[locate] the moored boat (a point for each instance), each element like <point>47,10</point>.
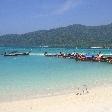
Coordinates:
<point>83,57</point>
<point>110,61</point>
<point>16,53</point>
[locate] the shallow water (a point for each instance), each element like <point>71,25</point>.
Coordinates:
<point>25,77</point>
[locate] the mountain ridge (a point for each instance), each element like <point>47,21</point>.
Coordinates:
<point>75,35</point>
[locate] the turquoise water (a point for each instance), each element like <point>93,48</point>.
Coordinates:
<point>36,75</point>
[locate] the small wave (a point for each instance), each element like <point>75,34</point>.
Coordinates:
<point>37,54</point>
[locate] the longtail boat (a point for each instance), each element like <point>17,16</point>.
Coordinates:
<point>83,57</point>
<point>16,53</point>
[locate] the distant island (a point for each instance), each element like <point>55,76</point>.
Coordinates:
<point>71,36</point>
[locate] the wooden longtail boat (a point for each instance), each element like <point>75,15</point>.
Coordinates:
<point>83,57</point>
<point>15,53</point>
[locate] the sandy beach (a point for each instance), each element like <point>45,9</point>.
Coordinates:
<point>99,99</point>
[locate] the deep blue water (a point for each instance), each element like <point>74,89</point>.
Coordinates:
<point>36,75</point>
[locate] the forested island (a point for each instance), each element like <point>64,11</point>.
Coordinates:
<point>71,36</point>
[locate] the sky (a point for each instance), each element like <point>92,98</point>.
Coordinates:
<point>21,16</point>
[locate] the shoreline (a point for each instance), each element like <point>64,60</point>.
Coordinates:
<point>99,99</point>
<point>51,92</point>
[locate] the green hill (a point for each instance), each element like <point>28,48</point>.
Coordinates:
<point>71,36</point>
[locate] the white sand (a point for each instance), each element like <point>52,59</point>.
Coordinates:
<point>99,99</point>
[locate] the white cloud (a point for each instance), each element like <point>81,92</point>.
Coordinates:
<point>66,6</point>
<point>61,9</point>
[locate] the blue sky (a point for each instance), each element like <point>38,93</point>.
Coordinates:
<point>20,16</point>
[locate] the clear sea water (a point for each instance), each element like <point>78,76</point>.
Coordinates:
<point>35,75</point>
